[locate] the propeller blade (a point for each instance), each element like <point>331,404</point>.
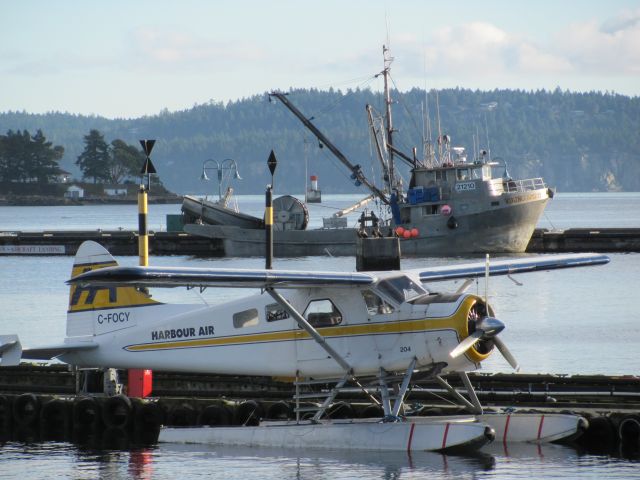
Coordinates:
<point>506,354</point>
<point>466,344</point>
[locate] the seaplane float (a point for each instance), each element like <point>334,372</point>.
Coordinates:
<point>370,330</point>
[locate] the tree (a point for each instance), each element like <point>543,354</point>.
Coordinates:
<point>43,159</point>
<point>25,158</point>
<point>126,161</point>
<point>94,160</point>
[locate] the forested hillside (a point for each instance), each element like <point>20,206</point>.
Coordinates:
<point>576,141</point>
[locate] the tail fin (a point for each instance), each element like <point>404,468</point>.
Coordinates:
<point>92,256</point>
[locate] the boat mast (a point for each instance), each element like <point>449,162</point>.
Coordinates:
<point>356,170</point>
<point>388,121</point>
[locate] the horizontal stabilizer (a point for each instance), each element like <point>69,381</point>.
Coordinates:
<point>10,350</point>
<point>218,277</point>
<point>511,266</point>
<point>49,352</point>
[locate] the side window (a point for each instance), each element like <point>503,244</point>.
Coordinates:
<point>322,313</point>
<point>274,312</point>
<point>376,305</point>
<point>247,318</point>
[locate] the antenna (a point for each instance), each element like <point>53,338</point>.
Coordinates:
<point>439,129</point>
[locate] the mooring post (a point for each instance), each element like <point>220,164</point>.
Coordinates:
<point>140,380</point>
<point>268,225</point>
<point>272,163</point>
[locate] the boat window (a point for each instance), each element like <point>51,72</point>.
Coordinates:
<point>441,175</point>
<point>401,289</point>
<point>463,174</point>
<point>486,172</point>
<point>274,312</point>
<point>429,210</point>
<point>246,318</point>
<point>322,313</point>
<point>476,173</point>
<point>375,304</point>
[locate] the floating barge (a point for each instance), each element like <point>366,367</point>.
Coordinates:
<point>44,403</point>
<point>125,242</point>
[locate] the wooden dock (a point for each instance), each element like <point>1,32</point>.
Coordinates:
<point>125,242</point>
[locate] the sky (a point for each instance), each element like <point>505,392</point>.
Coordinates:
<point>126,59</point>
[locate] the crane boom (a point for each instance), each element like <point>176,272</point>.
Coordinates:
<point>356,171</point>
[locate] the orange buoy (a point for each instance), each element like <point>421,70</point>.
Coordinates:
<point>414,232</point>
<point>399,231</point>
<point>407,234</point>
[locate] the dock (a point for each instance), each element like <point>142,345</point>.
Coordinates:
<point>125,242</point>
<point>45,402</point>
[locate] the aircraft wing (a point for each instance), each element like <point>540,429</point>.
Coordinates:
<point>218,277</point>
<point>511,266</point>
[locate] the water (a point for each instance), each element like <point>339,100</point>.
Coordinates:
<point>579,321</point>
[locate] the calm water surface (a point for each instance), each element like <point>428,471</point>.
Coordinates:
<point>580,321</point>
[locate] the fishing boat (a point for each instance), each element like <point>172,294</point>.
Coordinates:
<point>452,205</point>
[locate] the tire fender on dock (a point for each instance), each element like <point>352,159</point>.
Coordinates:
<point>26,409</point>
<point>117,411</point>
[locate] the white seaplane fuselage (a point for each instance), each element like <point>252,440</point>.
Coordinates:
<point>256,336</point>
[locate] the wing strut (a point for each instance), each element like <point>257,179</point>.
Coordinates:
<point>475,406</point>
<point>302,322</point>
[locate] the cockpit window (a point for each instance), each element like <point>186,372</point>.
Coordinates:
<point>322,313</point>
<point>401,289</point>
<point>375,304</point>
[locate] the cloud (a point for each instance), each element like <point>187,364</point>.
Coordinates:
<point>479,49</point>
<point>165,50</point>
<point>610,48</point>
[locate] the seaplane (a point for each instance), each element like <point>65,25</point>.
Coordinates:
<point>369,330</point>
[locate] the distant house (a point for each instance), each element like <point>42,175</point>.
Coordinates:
<point>115,190</point>
<point>74,191</point>
<point>62,176</point>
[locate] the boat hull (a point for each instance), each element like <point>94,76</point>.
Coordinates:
<point>215,214</point>
<point>502,230</point>
<point>432,435</point>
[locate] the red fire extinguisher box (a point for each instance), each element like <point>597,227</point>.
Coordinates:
<point>140,382</point>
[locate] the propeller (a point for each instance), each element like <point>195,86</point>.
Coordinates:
<point>486,329</point>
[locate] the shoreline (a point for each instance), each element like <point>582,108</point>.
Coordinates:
<point>49,201</point>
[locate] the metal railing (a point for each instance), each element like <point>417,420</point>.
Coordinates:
<point>515,186</point>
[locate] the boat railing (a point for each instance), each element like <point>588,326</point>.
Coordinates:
<point>516,186</point>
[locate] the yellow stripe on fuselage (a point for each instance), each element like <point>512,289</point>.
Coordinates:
<point>457,322</point>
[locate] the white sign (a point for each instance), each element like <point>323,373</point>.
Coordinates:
<point>465,186</point>
<point>32,249</point>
